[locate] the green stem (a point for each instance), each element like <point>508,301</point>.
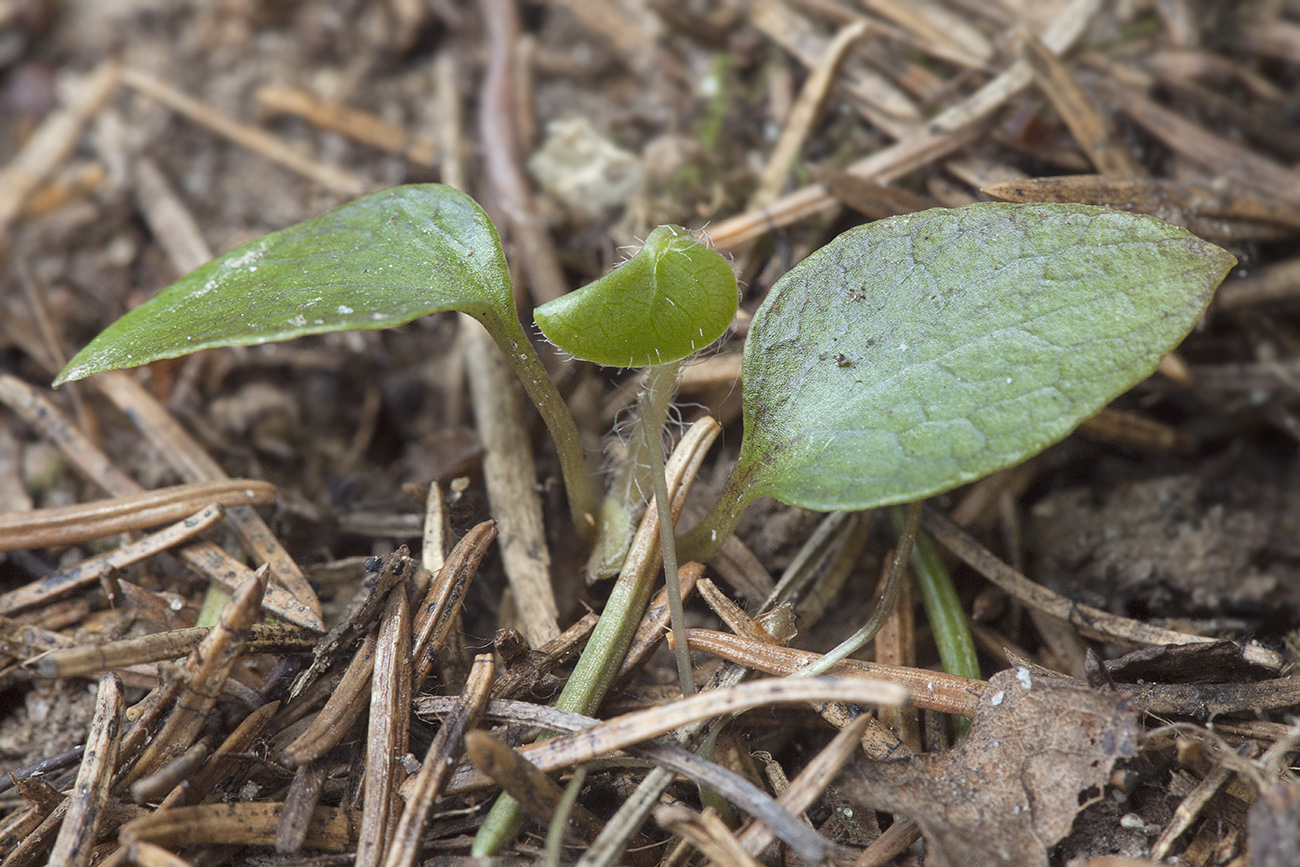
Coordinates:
<point>701,543</point>
<point>884,606</point>
<point>944,611</point>
<point>555,834</point>
<point>653,403</point>
<point>518,349</point>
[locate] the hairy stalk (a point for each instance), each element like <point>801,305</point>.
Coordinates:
<point>623,506</point>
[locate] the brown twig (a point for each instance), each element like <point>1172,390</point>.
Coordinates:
<point>927,689</point>
<point>498,138</point>
<point>386,736</point>
<point>521,780</point>
<point>354,123</point>
<point>250,823</point>
<point>537,664</point>
<point>1089,127</point>
<point>804,114</point>
<point>204,673</point>
<point>436,614</point>
<point>1221,156</point>
<point>366,606</point>
<point>197,787</point>
<point>939,137</point>
<point>35,408</point>
<point>92,569</point>
<point>1092,622</point>
<point>68,525</point>
<point>189,459</point>
<point>510,475</point>
<point>404,848</point>
<point>258,141</point>
<point>706,832</point>
<point>561,752</point>
<point>654,623</point>
<point>75,843</point>
<point>79,661</point>
<point>809,785</point>
<point>51,144</point>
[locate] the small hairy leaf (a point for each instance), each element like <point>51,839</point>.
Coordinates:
<point>673,297</point>
<point>917,353</point>
<point>376,262</point>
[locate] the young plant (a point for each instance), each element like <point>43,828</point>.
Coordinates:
<point>903,359</point>
<point>906,357</point>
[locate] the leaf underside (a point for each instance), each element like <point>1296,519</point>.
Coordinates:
<point>376,262</point>
<point>921,352</point>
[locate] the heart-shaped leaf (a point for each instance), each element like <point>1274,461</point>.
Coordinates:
<point>377,262</point>
<point>917,353</point>
<point>675,296</point>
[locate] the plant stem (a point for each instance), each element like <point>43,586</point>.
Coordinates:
<point>518,349</point>
<point>884,606</point>
<point>555,834</point>
<point>944,611</point>
<point>653,403</point>
<point>702,542</point>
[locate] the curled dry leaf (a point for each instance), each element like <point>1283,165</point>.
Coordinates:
<point>1038,753</point>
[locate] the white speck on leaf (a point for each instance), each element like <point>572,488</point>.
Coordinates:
<point>248,258</point>
<point>1022,675</point>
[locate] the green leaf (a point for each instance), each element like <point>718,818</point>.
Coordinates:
<point>675,296</point>
<point>377,262</point>
<point>917,353</point>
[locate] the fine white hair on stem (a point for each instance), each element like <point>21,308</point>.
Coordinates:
<point>625,429</point>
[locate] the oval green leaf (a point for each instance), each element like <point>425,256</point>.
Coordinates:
<point>921,352</point>
<point>377,262</point>
<point>674,297</point>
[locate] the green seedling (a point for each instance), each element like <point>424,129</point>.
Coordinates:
<point>903,359</point>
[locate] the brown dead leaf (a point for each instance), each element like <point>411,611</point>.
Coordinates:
<point>1039,751</point>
